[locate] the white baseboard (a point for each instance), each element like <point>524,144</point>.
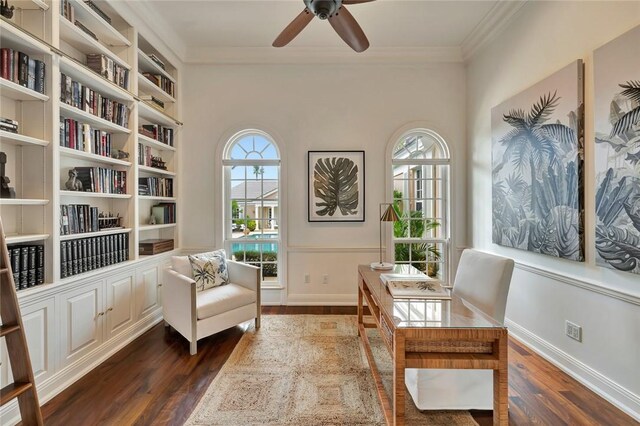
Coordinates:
<point>60,380</point>
<point>322,300</point>
<point>617,395</point>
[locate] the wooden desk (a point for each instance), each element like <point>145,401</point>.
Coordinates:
<point>423,333</point>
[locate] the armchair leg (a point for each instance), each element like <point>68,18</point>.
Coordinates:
<point>193,347</point>
<point>258,322</point>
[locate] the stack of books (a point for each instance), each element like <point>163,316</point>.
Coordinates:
<point>78,219</point>
<point>415,286</point>
<point>107,68</point>
<point>102,180</point>
<point>159,133</point>
<point>27,265</point>
<point>162,82</point>
<point>81,136</point>
<point>88,254</point>
<point>155,186</point>
<point>8,125</point>
<point>19,68</point>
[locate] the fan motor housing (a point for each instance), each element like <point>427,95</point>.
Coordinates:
<point>323,9</point>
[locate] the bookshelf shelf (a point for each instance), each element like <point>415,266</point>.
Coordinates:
<point>147,86</point>
<point>152,198</point>
<point>64,193</point>
<point>150,113</point>
<point>20,140</point>
<point>25,238</point>
<point>19,93</point>
<point>101,28</point>
<point>86,76</point>
<point>144,228</point>
<point>95,234</point>
<point>22,202</point>
<point>84,43</point>
<point>155,171</point>
<point>30,5</point>
<point>146,140</point>
<point>74,153</point>
<point>146,64</point>
<point>16,38</point>
<point>69,111</point>
<point>166,253</point>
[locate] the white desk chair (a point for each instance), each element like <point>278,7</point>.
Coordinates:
<point>483,280</point>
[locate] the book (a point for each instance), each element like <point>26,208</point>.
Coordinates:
<point>410,286</point>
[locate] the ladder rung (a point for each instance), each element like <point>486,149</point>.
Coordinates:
<point>13,390</point>
<point>3,270</point>
<point>8,328</point>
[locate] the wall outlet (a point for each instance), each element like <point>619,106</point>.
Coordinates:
<point>325,279</point>
<point>573,330</point>
<point>307,278</point>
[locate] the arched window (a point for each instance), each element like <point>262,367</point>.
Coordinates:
<point>252,202</point>
<point>420,173</point>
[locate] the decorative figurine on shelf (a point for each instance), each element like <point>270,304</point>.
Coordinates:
<point>73,184</point>
<point>158,163</point>
<point>5,190</point>
<point>5,9</point>
<point>120,155</point>
<point>152,220</point>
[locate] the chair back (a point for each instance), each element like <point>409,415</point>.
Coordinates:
<point>483,279</point>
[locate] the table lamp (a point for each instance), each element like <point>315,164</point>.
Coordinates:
<point>389,215</point>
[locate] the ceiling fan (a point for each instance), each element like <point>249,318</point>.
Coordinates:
<point>338,16</point>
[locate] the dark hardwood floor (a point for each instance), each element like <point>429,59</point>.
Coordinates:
<point>155,381</point>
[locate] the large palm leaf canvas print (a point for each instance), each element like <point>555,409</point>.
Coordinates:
<point>336,186</point>
<point>617,152</point>
<point>537,167</point>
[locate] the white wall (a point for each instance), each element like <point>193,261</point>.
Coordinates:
<point>543,38</point>
<point>315,107</point>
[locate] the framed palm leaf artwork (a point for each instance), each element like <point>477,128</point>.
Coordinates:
<point>336,186</point>
<point>617,152</point>
<point>537,167</point>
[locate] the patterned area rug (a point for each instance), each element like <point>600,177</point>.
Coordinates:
<point>305,370</point>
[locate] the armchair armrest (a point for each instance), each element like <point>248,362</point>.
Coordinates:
<point>179,303</point>
<point>247,276</point>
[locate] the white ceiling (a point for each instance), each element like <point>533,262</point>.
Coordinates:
<point>387,23</point>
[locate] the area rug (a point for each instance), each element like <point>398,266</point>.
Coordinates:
<point>305,370</point>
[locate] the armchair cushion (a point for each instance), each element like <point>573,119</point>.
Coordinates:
<point>218,300</point>
<point>209,269</point>
<point>182,265</point>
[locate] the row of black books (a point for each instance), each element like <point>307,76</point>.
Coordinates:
<point>102,180</point>
<point>27,265</point>
<point>19,68</point>
<point>155,186</point>
<point>164,213</point>
<point>78,219</point>
<point>157,132</point>
<point>8,125</point>
<point>108,69</point>
<point>162,82</point>
<point>81,136</point>
<point>75,94</point>
<point>88,254</point>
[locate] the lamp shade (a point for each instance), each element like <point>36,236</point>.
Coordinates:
<point>389,215</point>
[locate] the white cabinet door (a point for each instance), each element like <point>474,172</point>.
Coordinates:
<point>38,320</point>
<point>146,290</point>
<point>162,267</point>
<point>81,316</point>
<point>119,311</point>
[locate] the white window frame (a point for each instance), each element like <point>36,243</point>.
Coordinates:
<point>392,163</point>
<point>228,162</point>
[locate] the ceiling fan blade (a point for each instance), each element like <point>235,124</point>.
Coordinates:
<point>356,1</point>
<point>348,29</point>
<point>294,28</point>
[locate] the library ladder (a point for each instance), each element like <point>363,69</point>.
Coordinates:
<point>24,387</point>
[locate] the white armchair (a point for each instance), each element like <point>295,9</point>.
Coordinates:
<point>198,314</point>
<point>483,280</point>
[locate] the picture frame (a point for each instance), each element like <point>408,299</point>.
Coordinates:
<point>336,186</point>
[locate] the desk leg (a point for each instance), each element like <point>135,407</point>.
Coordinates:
<point>501,385</point>
<point>399,388</point>
<point>360,321</point>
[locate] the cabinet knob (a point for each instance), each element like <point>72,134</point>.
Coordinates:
<point>110,309</point>
<point>99,314</point>
<point>159,285</point>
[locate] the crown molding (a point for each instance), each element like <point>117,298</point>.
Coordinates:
<point>321,55</point>
<point>493,23</point>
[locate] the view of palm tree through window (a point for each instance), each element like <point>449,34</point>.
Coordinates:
<point>252,171</point>
<point>420,167</point>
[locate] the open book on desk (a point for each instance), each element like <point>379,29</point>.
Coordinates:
<point>414,286</point>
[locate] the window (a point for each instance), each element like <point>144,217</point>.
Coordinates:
<point>251,196</point>
<point>420,170</point>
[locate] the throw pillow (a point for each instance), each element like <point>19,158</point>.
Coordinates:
<point>209,269</point>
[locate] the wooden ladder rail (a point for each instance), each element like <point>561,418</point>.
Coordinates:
<point>12,330</point>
